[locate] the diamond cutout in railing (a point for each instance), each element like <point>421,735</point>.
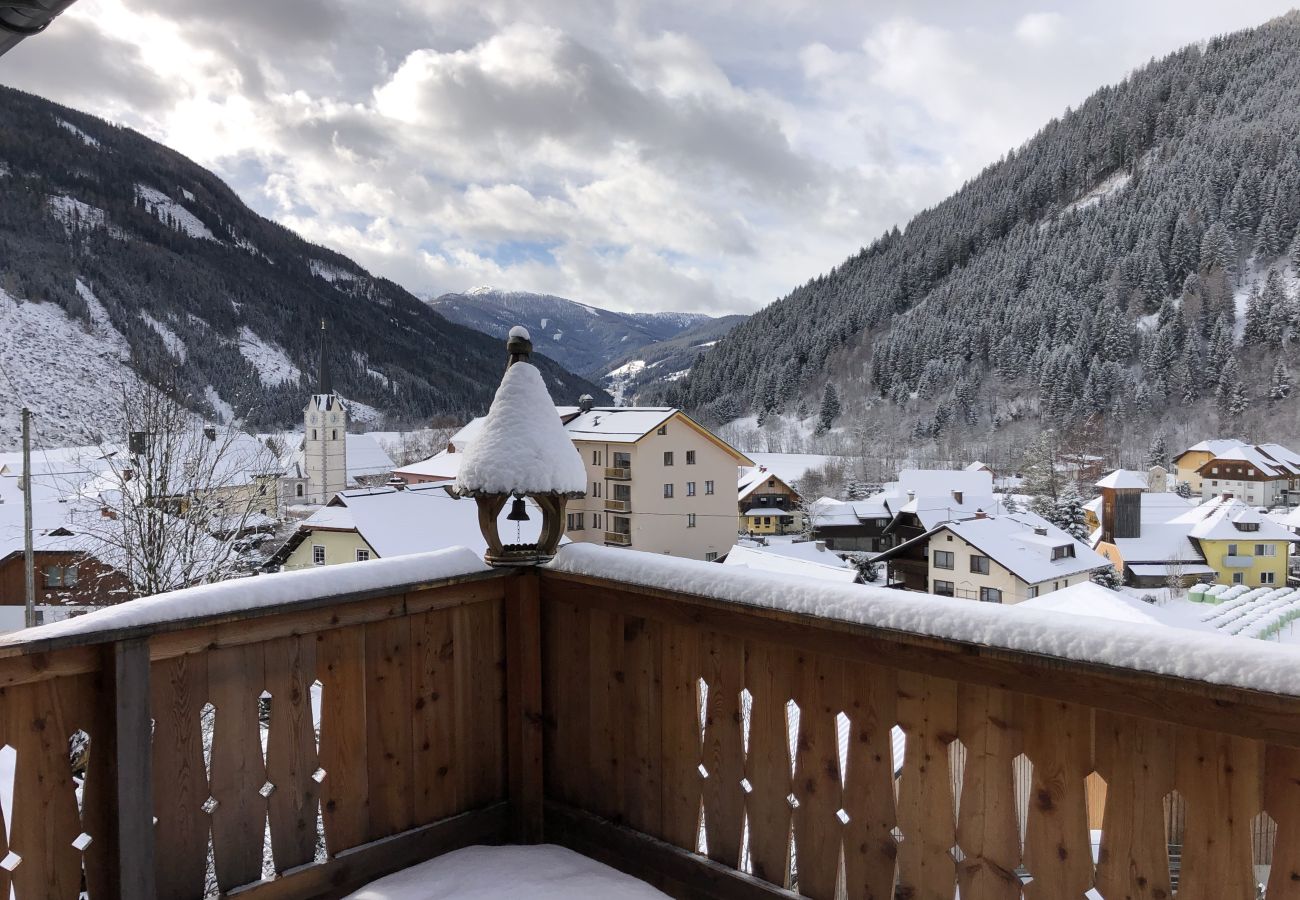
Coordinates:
<point>266,790</point>
<point>897,834</point>
<point>746,786</point>
<point>210,805</point>
<point>704,773</point>
<point>10,862</point>
<point>955,852</point>
<point>318,776</point>
<point>82,841</point>
<point>842,816</point>
<point>792,800</point>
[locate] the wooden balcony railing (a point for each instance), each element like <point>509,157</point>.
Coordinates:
<point>618,505</point>
<point>714,748</point>
<point>618,538</point>
<point>618,473</point>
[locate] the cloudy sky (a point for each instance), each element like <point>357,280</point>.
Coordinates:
<point>703,155</point>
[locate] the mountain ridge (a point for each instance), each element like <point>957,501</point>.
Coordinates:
<point>208,296</point>
<point>1128,272</point>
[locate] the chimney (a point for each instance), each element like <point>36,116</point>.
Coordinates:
<point>586,402</point>
<point>210,432</point>
<point>397,483</point>
<point>107,513</point>
<point>981,514</point>
<point>957,495</point>
<point>911,495</point>
<point>1040,531</point>
<point>820,545</point>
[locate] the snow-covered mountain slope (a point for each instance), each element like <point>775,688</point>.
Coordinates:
<point>110,234</point>
<point>1096,279</point>
<point>580,337</point>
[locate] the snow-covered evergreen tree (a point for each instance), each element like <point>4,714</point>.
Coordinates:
<point>1279,383</point>
<point>1158,452</point>
<point>830,409</point>
<point>1108,577</point>
<point>1069,514</point>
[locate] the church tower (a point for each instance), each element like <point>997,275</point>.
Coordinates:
<point>325,436</point>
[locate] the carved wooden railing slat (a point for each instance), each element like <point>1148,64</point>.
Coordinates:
<point>769,674</point>
<point>870,849</point>
<point>180,689</point>
<point>1058,851</point>
<point>927,713</point>
<point>723,661</point>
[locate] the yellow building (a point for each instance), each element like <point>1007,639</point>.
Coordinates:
<point>1242,546</point>
<point>768,505</point>
<point>1187,464</point>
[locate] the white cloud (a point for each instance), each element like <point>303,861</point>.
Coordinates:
<point>1040,29</point>
<point>707,155</point>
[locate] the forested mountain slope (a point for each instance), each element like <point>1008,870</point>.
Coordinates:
<point>109,236</point>
<point>1130,269</point>
<point>582,338</point>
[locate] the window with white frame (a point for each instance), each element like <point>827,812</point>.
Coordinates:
<point>668,491</point>
<point>690,520</point>
<point>990,595</point>
<point>318,554</point>
<point>710,557</point>
<point>363,555</point>
<point>1266,549</point>
<point>708,487</point>
<point>690,457</point>
<point>690,489</point>
<point>668,457</point>
<point>1267,578</point>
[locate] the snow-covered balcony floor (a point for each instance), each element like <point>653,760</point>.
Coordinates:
<point>542,872</point>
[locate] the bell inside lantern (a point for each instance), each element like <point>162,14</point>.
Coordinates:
<point>518,512</point>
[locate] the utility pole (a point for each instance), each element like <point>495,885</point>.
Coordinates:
<point>29,555</point>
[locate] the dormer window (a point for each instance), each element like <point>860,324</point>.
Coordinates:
<point>1065,551</point>
<point>1247,526</point>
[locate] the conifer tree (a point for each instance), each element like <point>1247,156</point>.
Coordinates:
<point>830,409</point>
<point>1279,383</point>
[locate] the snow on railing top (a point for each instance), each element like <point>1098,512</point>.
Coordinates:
<point>1194,655</point>
<point>246,594</point>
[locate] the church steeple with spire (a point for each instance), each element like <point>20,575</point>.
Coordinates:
<point>325,431</point>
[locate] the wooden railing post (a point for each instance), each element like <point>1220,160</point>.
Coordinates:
<point>133,763</point>
<point>524,706</point>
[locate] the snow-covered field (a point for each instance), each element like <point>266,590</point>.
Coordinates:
<point>72,376</point>
<point>271,362</point>
<point>169,212</point>
<point>171,340</point>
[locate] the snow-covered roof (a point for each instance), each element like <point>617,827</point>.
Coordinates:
<point>1155,508</point>
<point>522,446</point>
<point>1012,542</point>
<point>1214,446</point>
<point>977,466</point>
<point>366,457</point>
<point>1267,464</point>
<point>768,511</point>
<point>790,467</point>
<point>934,482</point>
<point>1159,542</point>
<point>442,465</point>
<point>1212,658</point>
<point>618,424</point>
<point>1095,601</point>
<point>1218,519</point>
<point>1164,570</point>
<point>751,478</point>
<point>761,559</point>
<point>1124,479</point>
<point>419,519</point>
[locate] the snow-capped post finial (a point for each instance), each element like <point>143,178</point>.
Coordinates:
<point>522,450</point>
<point>519,345</point>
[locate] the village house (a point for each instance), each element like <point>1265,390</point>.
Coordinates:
<point>1187,465</point>
<point>70,575</point>
<point>657,479</point>
<point>382,522</point>
<point>1153,537</point>
<point>1262,475</point>
<point>995,559</point>
<point>768,504</point>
